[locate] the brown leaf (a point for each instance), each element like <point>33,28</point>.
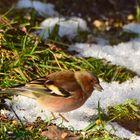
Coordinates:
<point>55,133</point>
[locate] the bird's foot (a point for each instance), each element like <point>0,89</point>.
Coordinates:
<point>63,118</point>
<point>55,118</point>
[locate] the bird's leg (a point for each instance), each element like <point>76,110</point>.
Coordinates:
<point>63,118</point>
<point>53,116</point>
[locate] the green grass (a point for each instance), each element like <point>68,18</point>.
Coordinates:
<point>125,113</point>
<point>129,110</point>
<point>97,129</point>
<point>12,129</point>
<point>25,57</point>
<point>137,13</point>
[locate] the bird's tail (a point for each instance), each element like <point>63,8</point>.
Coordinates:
<point>17,91</point>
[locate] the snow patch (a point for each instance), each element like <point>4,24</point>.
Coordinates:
<point>68,27</point>
<point>124,54</point>
<point>43,9</point>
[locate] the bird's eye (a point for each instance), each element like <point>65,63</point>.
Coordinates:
<point>91,80</point>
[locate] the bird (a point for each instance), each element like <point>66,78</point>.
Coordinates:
<point>61,91</point>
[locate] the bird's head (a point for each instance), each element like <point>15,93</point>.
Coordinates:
<point>88,81</point>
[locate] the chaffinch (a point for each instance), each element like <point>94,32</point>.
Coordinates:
<point>61,91</point>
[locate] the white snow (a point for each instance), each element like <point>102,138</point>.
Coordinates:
<point>43,9</point>
<point>124,54</point>
<point>132,27</point>
<point>121,132</point>
<point>68,27</point>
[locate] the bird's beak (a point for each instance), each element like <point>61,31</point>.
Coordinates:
<point>98,87</point>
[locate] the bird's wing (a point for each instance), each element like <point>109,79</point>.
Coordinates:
<point>46,86</point>
<point>60,83</point>
<point>55,84</point>
<point>63,80</point>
